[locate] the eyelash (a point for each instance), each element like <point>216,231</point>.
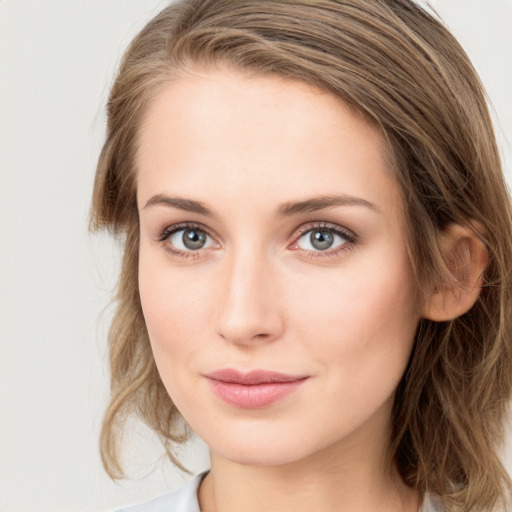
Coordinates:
<point>349,237</point>
<point>182,255</point>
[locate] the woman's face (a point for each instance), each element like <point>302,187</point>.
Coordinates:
<point>271,239</point>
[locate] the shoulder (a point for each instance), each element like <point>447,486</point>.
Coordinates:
<point>181,500</point>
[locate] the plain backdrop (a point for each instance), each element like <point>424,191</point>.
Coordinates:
<point>58,58</point>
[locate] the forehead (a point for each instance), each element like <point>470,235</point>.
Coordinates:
<point>265,134</point>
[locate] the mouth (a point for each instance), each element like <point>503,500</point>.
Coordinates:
<point>255,389</point>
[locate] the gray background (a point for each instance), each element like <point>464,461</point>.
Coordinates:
<point>57,61</point>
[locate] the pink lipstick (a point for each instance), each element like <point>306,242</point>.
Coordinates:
<point>254,389</point>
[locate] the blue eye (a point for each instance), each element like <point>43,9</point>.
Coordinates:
<point>189,239</point>
<point>323,239</point>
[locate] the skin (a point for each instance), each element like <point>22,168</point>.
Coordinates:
<point>258,295</point>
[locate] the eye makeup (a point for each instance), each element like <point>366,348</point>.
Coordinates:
<point>196,240</point>
<point>346,239</point>
<point>198,231</point>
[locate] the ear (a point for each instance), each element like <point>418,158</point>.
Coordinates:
<point>465,257</point>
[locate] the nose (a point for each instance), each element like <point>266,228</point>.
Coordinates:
<point>249,307</point>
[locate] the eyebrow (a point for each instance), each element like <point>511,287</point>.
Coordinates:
<point>286,209</point>
<point>319,203</point>
<point>187,205</point>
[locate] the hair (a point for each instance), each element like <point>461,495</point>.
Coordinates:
<point>401,68</point>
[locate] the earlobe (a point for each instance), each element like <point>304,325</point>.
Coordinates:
<point>465,258</point>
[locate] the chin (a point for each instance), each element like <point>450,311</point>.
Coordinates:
<point>260,448</point>
<point>258,456</point>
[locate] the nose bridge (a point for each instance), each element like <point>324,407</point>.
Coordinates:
<point>248,309</point>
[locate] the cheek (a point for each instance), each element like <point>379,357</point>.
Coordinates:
<point>359,336</point>
<point>173,308</point>
<point>364,315</point>
<point>174,305</point>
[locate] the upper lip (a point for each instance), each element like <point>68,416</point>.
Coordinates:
<point>252,377</point>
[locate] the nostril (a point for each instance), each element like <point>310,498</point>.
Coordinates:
<point>250,333</point>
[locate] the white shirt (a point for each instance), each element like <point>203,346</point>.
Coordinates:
<point>185,500</point>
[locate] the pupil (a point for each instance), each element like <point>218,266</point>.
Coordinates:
<point>194,239</point>
<point>321,240</point>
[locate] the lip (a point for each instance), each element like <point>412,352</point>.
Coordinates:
<point>254,389</point>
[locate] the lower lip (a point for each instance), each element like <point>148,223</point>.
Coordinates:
<point>253,396</point>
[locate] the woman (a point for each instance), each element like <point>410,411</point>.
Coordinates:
<point>316,272</point>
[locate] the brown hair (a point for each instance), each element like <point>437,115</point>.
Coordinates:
<point>401,68</point>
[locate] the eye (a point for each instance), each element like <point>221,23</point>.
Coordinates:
<point>324,238</point>
<point>188,238</point>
